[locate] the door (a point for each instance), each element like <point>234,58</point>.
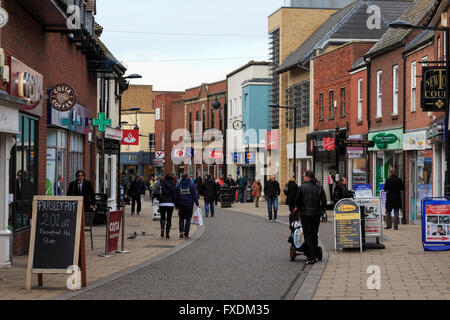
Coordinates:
<point>412,187</point>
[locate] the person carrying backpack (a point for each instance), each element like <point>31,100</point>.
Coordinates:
<point>186,196</point>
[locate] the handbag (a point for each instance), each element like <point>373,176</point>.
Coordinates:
<point>197,217</point>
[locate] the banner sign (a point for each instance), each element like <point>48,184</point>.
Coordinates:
<point>387,140</point>
<point>416,141</point>
<point>115,218</point>
<point>347,225</point>
<point>372,216</point>
<point>273,140</point>
<point>436,224</point>
<point>434,89</point>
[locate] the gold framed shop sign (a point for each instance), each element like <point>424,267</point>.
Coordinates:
<point>434,89</point>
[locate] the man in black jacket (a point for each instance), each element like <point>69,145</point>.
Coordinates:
<point>137,189</point>
<point>209,191</point>
<point>82,187</point>
<point>393,188</point>
<point>272,192</point>
<point>311,202</point>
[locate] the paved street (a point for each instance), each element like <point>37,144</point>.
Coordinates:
<point>240,256</point>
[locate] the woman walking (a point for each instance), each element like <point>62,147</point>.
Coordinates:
<point>257,190</point>
<point>291,194</point>
<point>167,204</point>
<point>311,202</point>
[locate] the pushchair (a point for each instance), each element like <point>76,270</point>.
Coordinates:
<point>296,238</point>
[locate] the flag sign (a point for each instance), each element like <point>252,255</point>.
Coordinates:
<point>130,138</point>
<point>329,144</point>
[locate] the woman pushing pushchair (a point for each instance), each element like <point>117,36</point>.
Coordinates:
<point>310,204</point>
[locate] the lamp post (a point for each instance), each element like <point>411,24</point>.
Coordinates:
<point>295,135</point>
<point>406,25</point>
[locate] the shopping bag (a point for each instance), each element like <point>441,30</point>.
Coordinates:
<point>197,217</point>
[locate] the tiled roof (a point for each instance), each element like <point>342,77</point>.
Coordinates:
<point>393,38</point>
<point>349,23</point>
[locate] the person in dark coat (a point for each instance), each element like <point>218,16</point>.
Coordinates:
<point>272,192</point>
<point>198,183</point>
<point>393,188</point>
<point>82,187</point>
<point>243,182</point>
<point>311,202</point>
<point>291,194</point>
<point>341,191</point>
<point>208,191</point>
<point>137,189</point>
<point>186,196</point>
<point>167,204</point>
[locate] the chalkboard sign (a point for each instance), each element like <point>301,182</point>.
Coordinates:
<point>55,235</point>
<point>347,225</point>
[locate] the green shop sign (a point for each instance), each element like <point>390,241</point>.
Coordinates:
<point>387,140</point>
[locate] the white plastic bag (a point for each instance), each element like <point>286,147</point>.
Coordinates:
<point>197,217</point>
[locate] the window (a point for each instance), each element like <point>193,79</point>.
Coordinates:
<point>343,111</point>
<point>56,163</point>
<point>298,97</point>
<point>379,95</point>
<point>163,142</point>
<point>75,155</point>
<point>321,106</point>
<point>197,116</point>
<point>162,112</point>
<point>23,173</point>
<point>413,87</point>
<point>204,120</point>
<point>425,59</point>
<point>439,48</point>
<point>212,118</point>
<point>395,90</point>
<point>360,99</point>
<point>231,108</point>
<point>190,122</point>
<point>221,119</point>
<point>331,105</point>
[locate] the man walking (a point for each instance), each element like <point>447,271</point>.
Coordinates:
<point>82,187</point>
<point>243,182</point>
<point>186,196</point>
<point>209,190</point>
<point>393,188</point>
<point>137,189</point>
<point>272,192</point>
<point>311,202</point>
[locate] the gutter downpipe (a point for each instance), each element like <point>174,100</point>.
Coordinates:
<point>404,130</point>
<point>369,168</point>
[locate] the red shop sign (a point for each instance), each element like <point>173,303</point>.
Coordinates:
<point>273,140</point>
<point>130,138</point>
<point>115,218</point>
<point>328,144</point>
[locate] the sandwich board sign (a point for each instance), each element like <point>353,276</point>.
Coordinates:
<point>347,225</point>
<point>57,237</point>
<point>436,224</point>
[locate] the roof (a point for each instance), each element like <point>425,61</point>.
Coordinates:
<point>349,23</point>
<point>104,48</point>
<point>251,63</point>
<point>394,38</point>
<point>422,38</point>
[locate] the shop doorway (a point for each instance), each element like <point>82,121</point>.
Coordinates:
<point>420,182</point>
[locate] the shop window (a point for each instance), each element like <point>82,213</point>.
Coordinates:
<point>76,155</point>
<point>56,181</point>
<point>360,99</point>
<point>23,173</point>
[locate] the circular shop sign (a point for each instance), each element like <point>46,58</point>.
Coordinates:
<point>63,97</point>
<point>4,17</point>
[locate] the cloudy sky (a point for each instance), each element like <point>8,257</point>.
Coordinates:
<point>179,44</point>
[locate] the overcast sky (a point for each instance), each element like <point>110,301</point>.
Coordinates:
<point>179,44</point>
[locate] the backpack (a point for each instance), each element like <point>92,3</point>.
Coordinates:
<point>157,194</point>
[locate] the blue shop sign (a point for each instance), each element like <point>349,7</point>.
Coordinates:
<point>77,119</point>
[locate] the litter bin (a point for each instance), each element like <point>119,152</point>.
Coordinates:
<point>248,194</point>
<point>226,195</point>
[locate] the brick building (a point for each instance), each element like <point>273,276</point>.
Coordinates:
<point>163,131</point>
<point>50,145</point>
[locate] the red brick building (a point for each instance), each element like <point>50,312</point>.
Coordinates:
<point>163,130</point>
<point>200,119</point>
<point>50,145</point>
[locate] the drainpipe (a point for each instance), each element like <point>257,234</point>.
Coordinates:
<point>368,162</point>
<point>404,130</point>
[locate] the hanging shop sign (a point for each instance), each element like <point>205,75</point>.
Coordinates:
<point>159,154</point>
<point>273,140</point>
<point>76,119</point>
<point>130,138</point>
<point>416,141</point>
<point>62,97</point>
<point>114,134</point>
<point>101,122</point>
<point>250,158</point>
<point>435,134</point>
<point>387,140</point>
<point>434,89</point>
<point>436,224</point>
<point>111,146</point>
<point>27,84</point>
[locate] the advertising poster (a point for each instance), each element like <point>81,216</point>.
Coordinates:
<point>363,191</point>
<point>115,218</point>
<point>436,224</point>
<point>372,216</point>
<point>347,225</point>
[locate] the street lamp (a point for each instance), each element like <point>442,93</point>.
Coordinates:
<point>216,105</point>
<point>136,127</point>
<point>295,134</point>
<point>405,25</point>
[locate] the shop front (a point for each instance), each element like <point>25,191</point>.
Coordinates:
<point>322,147</point>
<point>387,154</point>
<point>302,160</point>
<point>357,162</point>
<point>436,138</point>
<point>9,130</point>
<point>420,158</point>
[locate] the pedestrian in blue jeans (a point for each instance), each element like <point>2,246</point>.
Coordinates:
<point>272,191</point>
<point>186,196</point>
<point>209,191</point>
